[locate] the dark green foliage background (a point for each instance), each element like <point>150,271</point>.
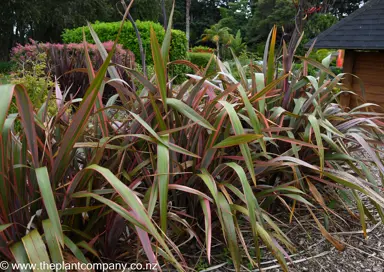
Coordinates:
<point>6,67</point>
<point>44,20</point>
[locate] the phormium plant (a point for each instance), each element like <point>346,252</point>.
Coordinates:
<point>94,187</point>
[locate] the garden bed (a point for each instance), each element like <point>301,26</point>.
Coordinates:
<point>316,254</point>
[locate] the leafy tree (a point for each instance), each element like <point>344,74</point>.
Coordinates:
<point>318,23</point>
<point>314,26</point>
<point>57,15</point>
<point>237,44</point>
<point>44,20</point>
<point>236,16</point>
<point>342,8</point>
<point>218,35</point>
<point>319,15</point>
<point>339,8</point>
<point>146,10</point>
<point>203,14</point>
<point>268,13</point>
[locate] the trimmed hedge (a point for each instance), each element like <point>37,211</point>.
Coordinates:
<point>202,49</point>
<point>108,32</point>
<point>201,60</point>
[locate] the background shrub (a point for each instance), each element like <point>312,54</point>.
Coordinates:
<point>202,49</point>
<point>201,60</point>
<point>150,73</point>
<point>6,67</point>
<point>178,51</point>
<point>61,59</point>
<point>108,32</point>
<point>31,73</point>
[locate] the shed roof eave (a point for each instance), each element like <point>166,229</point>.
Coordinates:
<point>307,46</point>
<point>362,30</point>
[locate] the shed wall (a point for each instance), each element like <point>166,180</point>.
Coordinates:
<point>369,67</point>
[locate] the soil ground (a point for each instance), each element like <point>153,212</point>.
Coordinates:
<point>316,254</point>
<point>360,254</point>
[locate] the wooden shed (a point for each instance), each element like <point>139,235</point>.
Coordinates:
<point>361,35</point>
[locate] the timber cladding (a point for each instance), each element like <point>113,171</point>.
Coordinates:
<point>369,67</point>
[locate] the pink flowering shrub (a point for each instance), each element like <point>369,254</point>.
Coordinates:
<point>65,60</point>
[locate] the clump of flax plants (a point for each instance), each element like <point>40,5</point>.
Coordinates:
<point>92,187</point>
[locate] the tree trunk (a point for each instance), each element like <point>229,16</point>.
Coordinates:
<point>6,40</point>
<point>188,21</point>
<point>218,49</point>
<point>164,14</point>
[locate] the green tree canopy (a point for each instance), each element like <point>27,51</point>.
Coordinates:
<point>218,35</point>
<point>44,20</point>
<point>268,13</point>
